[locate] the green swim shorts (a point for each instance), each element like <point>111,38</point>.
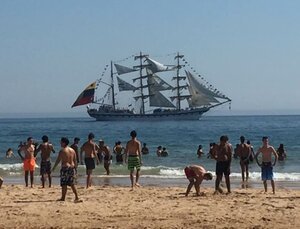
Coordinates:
<point>134,161</point>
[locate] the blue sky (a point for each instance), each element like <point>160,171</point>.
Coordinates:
<point>51,50</point>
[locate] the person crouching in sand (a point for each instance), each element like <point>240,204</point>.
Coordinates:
<point>196,174</point>
<point>67,157</point>
<point>267,166</point>
<point>28,159</point>
<point>133,158</point>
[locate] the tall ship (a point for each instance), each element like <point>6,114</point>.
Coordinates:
<point>150,90</point>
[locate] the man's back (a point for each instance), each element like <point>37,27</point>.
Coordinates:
<point>89,148</point>
<point>133,147</point>
<point>67,157</point>
<point>46,150</point>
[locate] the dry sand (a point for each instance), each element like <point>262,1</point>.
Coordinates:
<point>147,207</point>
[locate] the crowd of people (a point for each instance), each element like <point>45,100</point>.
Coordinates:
<point>91,153</point>
<point>223,153</point>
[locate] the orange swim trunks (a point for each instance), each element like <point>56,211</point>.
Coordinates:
<point>29,164</point>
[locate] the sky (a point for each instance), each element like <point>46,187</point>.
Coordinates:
<point>51,50</point>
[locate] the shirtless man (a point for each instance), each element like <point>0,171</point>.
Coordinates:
<point>118,150</point>
<point>222,155</point>
<point>267,166</point>
<point>133,158</point>
<point>46,148</point>
<point>104,150</point>
<point>67,157</point>
<point>196,174</point>
<point>28,159</point>
<point>9,153</point>
<point>145,149</point>
<point>244,152</point>
<point>90,153</point>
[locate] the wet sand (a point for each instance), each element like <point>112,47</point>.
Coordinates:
<point>147,207</point>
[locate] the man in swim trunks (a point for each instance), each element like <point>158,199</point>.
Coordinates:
<point>196,174</point>
<point>28,159</point>
<point>90,153</point>
<point>104,150</point>
<point>223,154</point>
<point>67,157</point>
<point>244,152</point>
<point>46,148</point>
<point>118,150</point>
<point>133,158</point>
<point>267,166</point>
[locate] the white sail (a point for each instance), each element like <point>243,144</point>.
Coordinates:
<point>157,99</point>
<point>155,83</point>
<point>200,95</point>
<point>155,66</point>
<point>124,86</point>
<point>123,69</point>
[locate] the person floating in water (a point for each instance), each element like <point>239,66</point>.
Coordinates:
<point>158,151</point>
<point>266,165</point>
<point>164,152</point>
<point>133,158</point>
<point>281,153</point>
<point>196,174</point>
<point>46,149</point>
<point>67,157</point>
<point>28,160</point>
<point>145,149</point>
<point>200,151</point>
<point>244,152</point>
<point>9,153</point>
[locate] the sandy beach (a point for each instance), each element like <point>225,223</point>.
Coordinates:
<point>147,207</point>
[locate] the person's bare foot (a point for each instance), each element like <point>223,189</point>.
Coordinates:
<point>60,199</point>
<point>78,201</point>
<point>137,185</point>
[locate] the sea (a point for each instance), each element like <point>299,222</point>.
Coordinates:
<point>181,138</point>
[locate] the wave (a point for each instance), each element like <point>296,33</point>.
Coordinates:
<point>119,171</point>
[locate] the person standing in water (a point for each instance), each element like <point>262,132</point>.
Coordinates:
<point>266,165</point>
<point>133,158</point>
<point>46,149</point>
<point>244,152</point>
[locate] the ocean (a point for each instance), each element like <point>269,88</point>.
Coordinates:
<point>181,138</point>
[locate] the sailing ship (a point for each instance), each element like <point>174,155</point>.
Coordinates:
<point>151,95</point>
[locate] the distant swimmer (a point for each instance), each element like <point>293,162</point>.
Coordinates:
<point>164,152</point>
<point>235,151</point>
<point>67,157</point>
<point>266,165</point>
<point>244,152</point>
<point>200,151</point>
<point>9,153</point>
<point>196,174</point>
<point>158,151</point>
<point>28,159</point>
<point>133,158</point>
<point>90,150</point>
<point>222,154</point>
<point>145,149</point>
<point>281,153</point>
<point>119,151</point>
<point>46,149</point>
<point>75,147</point>
<point>107,157</point>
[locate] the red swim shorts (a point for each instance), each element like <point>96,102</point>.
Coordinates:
<point>29,164</point>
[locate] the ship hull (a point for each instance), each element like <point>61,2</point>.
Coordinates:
<point>194,114</point>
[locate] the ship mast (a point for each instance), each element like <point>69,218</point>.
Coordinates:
<point>178,87</point>
<point>140,67</point>
<point>112,85</point>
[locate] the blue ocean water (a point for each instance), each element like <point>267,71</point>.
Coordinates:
<point>181,138</point>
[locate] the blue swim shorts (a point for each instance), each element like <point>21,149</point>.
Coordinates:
<point>267,171</point>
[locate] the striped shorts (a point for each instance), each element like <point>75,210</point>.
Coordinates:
<point>134,161</point>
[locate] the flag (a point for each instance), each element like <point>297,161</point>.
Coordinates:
<point>86,96</point>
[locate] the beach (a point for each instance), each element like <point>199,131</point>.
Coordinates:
<point>147,207</point>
